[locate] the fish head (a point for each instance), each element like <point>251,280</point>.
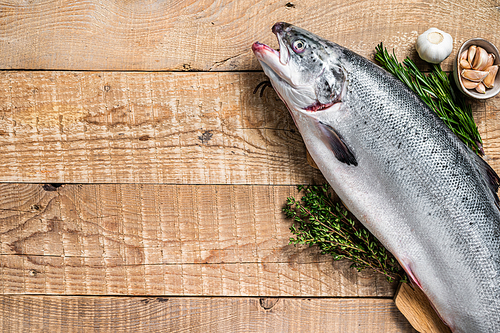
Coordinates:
<point>306,71</point>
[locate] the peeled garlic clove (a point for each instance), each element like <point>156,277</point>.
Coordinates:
<point>480,59</point>
<point>465,64</point>
<point>471,53</point>
<point>491,60</point>
<point>463,56</point>
<point>489,80</point>
<point>481,88</point>
<point>473,75</point>
<point>469,84</point>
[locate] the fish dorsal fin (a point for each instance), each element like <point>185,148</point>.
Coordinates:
<point>490,176</point>
<point>337,144</point>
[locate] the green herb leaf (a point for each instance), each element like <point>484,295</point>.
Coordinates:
<point>321,221</point>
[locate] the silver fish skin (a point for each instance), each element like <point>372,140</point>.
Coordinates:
<point>426,196</point>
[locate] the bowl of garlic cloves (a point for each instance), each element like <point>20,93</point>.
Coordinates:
<point>476,69</point>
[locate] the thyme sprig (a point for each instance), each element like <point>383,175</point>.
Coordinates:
<point>438,92</point>
<point>320,220</point>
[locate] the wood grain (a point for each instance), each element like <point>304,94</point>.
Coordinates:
<point>416,307</point>
<point>216,35</point>
<point>176,128</point>
<point>163,240</point>
<point>179,128</point>
<point>187,314</point>
<point>205,134</point>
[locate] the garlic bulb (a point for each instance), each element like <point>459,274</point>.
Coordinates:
<point>434,45</point>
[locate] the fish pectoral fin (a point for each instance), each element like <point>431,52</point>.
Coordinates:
<point>337,144</point>
<point>490,176</point>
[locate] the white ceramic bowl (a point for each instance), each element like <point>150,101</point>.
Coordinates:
<point>490,48</point>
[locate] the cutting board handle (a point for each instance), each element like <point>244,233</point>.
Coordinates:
<point>415,306</point>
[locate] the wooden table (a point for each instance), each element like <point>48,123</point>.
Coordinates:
<point>142,181</point>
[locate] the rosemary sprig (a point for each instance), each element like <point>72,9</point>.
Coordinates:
<point>322,221</point>
<point>437,91</point>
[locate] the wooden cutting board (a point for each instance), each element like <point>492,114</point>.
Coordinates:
<point>415,306</point>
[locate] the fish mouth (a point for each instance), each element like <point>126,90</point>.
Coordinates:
<point>279,29</point>
<point>277,61</point>
<point>272,59</point>
<point>262,51</point>
<point>317,106</point>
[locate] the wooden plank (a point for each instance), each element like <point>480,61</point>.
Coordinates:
<point>206,35</point>
<point>187,314</point>
<point>180,128</point>
<point>163,240</point>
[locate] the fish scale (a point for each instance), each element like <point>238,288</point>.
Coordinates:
<point>398,168</point>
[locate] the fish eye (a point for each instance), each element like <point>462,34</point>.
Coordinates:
<point>299,46</point>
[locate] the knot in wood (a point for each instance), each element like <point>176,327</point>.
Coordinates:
<point>51,187</point>
<point>205,137</point>
<point>268,303</point>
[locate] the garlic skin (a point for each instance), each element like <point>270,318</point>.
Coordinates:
<point>474,75</point>
<point>434,45</point>
<point>481,88</point>
<point>489,81</point>
<point>481,59</point>
<point>469,84</point>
